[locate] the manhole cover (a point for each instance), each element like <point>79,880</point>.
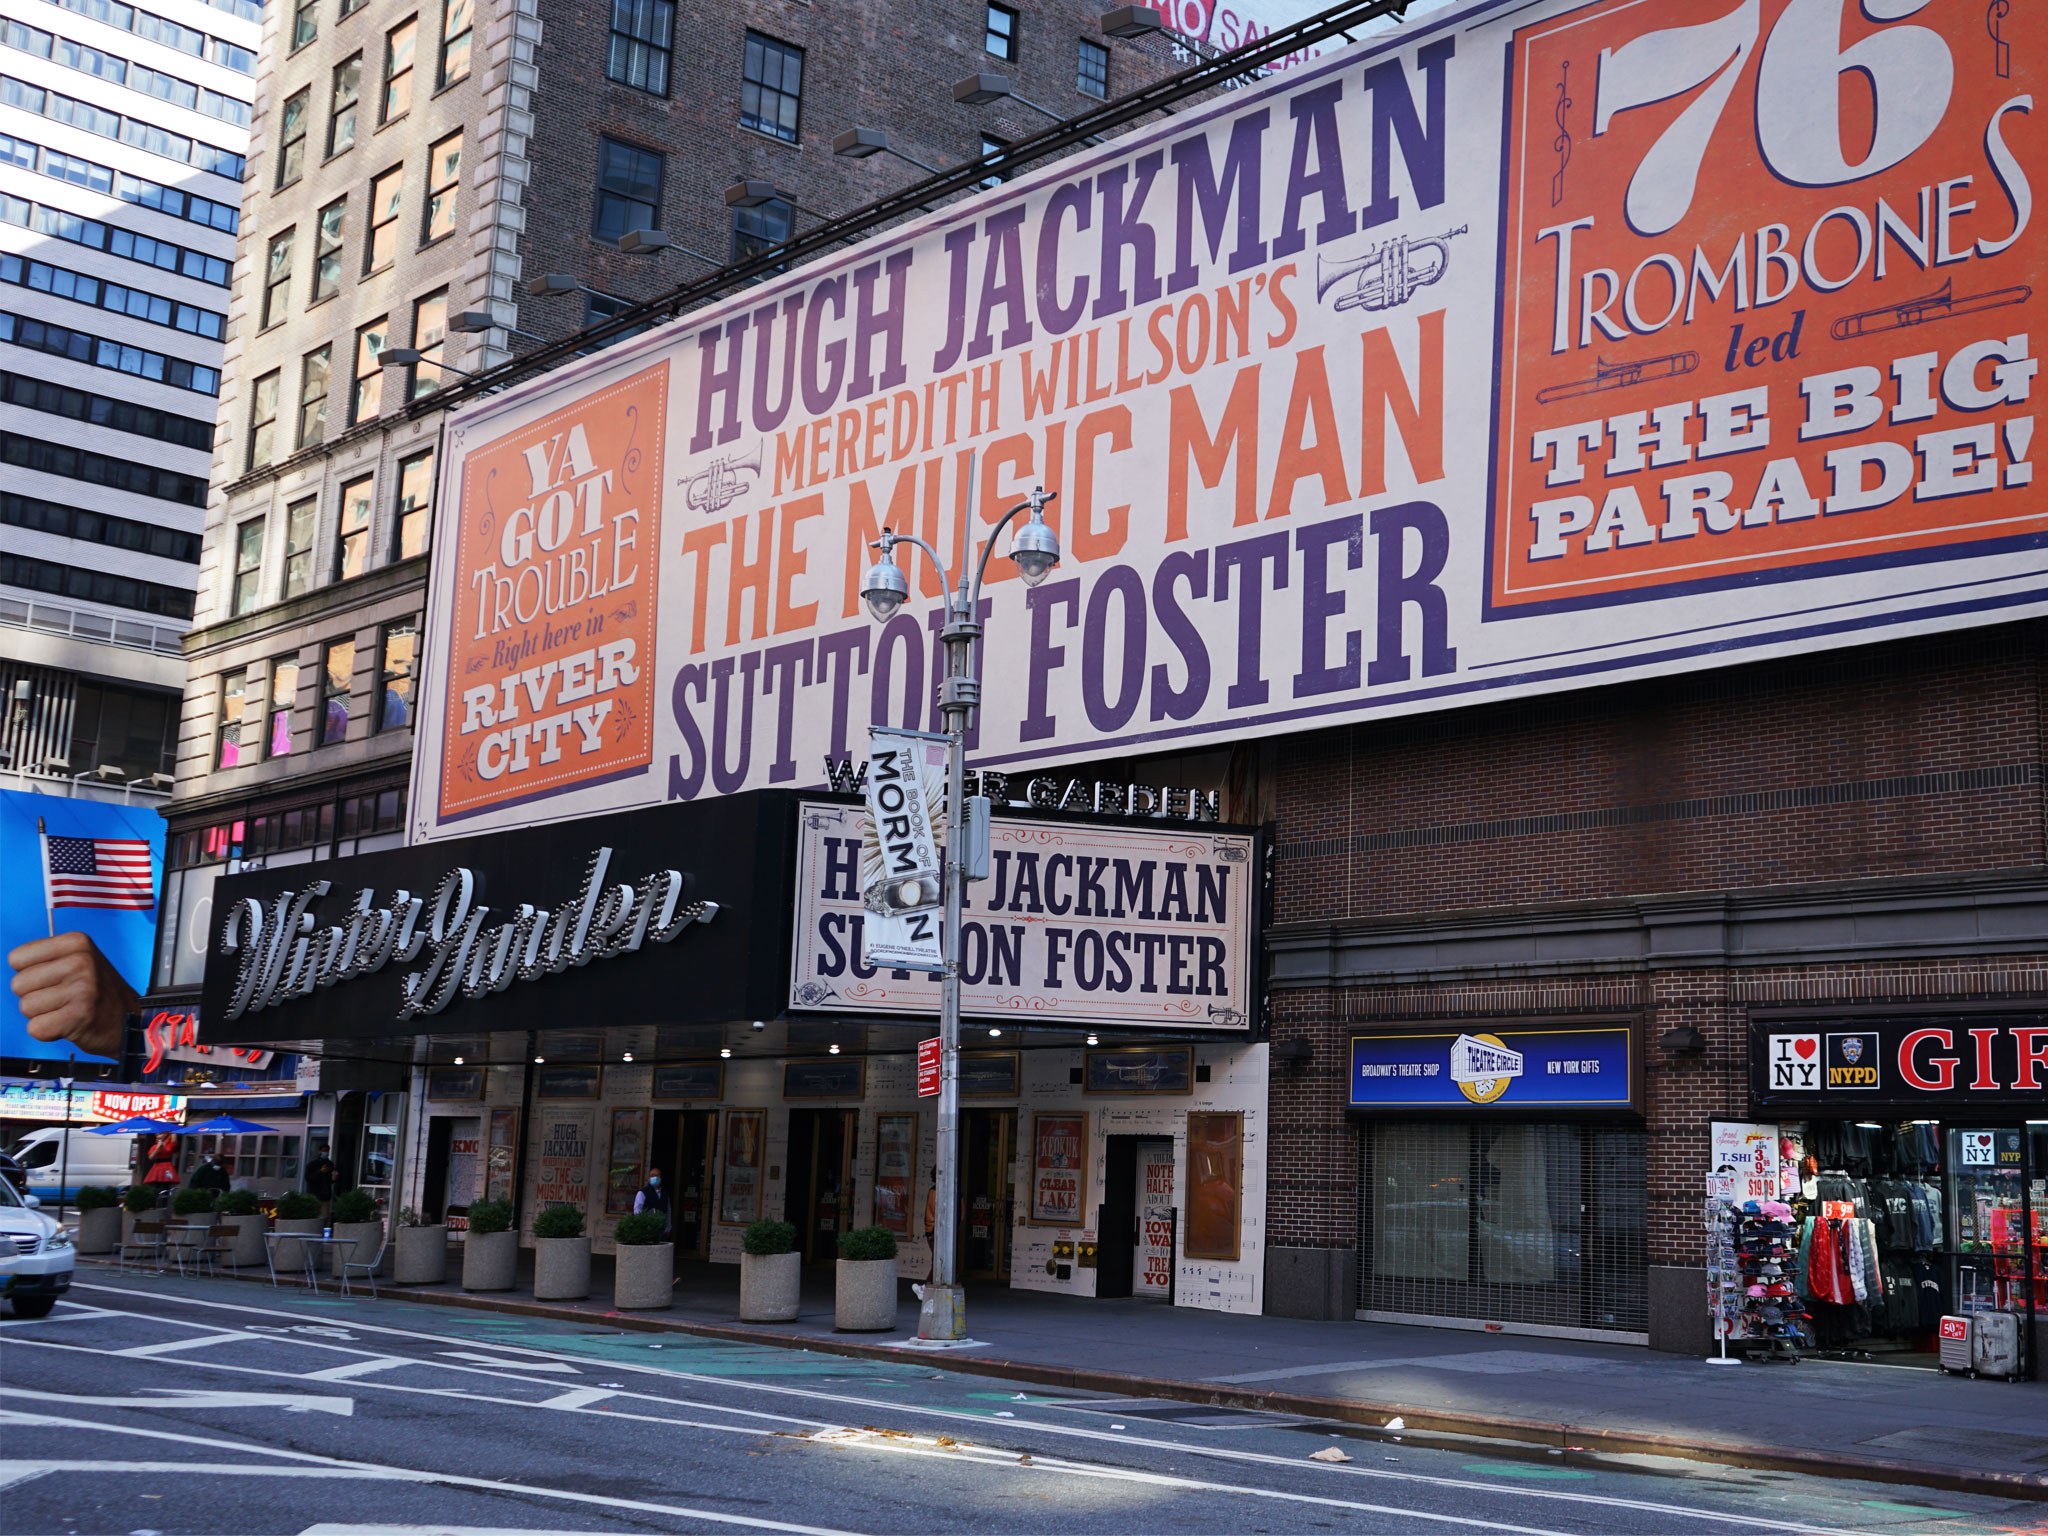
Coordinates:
<point>1191,1415</point>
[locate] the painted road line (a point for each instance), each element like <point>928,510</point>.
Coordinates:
<point>180,1397</point>
<point>577,1397</point>
<point>355,1368</point>
<point>1078,1432</point>
<point>478,1357</point>
<point>306,1463</point>
<point>172,1346</point>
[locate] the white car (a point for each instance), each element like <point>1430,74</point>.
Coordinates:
<point>36,1256</point>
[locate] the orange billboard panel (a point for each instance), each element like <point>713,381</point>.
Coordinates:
<point>550,674</point>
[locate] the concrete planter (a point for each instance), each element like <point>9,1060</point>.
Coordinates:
<point>643,1276</point>
<point>421,1255</point>
<point>248,1231</point>
<point>561,1268</point>
<point>365,1235</point>
<point>770,1286</point>
<point>292,1255</point>
<point>101,1230</point>
<point>490,1261</point>
<point>864,1296</point>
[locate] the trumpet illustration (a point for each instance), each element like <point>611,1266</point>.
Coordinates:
<point>1942,304</point>
<point>1608,376</point>
<point>717,486</point>
<point>1387,275</point>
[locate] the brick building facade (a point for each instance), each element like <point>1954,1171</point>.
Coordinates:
<point>1859,831</point>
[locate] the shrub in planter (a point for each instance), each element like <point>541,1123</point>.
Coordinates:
<point>140,1199</point>
<point>99,1218</point>
<point>242,1212</point>
<point>193,1202</point>
<point>561,1255</point>
<point>297,1211</point>
<point>643,1273</point>
<point>419,1249</point>
<point>771,1273</point>
<point>864,1297</point>
<point>490,1255</point>
<point>355,1216</point>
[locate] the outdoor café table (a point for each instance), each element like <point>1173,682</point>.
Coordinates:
<point>309,1242</point>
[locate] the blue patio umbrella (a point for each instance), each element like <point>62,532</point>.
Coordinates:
<point>136,1125</point>
<point>228,1125</point>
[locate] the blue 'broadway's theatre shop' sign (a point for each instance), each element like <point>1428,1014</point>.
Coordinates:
<point>1505,1070</point>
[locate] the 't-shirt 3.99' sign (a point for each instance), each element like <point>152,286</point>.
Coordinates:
<point>1903,1063</point>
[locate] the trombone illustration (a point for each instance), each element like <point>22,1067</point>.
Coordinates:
<point>717,486</point>
<point>1942,304</point>
<point>1606,376</point>
<point>1387,275</point>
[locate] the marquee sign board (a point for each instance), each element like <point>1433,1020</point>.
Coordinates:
<point>1077,923</point>
<point>1530,345</point>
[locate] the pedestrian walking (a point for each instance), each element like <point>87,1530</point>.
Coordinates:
<point>210,1175</point>
<point>653,1196</point>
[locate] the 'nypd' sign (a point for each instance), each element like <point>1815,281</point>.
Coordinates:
<point>1863,1065</point>
<point>1077,923</point>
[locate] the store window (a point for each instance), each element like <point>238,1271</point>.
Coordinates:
<point>1543,1225</point>
<point>234,687</point>
<point>284,689</point>
<point>338,671</point>
<point>396,651</point>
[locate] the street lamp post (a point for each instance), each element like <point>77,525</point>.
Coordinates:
<point>1035,549</point>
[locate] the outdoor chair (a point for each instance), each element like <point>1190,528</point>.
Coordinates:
<point>218,1247</point>
<point>146,1239</point>
<point>367,1266</point>
<point>189,1245</point>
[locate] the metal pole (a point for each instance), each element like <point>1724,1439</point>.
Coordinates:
<point>944,1314</point>
<point>64,1148</point>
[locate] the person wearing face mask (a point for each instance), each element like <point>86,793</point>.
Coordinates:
<point>653,1196</point>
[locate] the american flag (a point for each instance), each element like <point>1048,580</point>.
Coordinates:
<point>108,872</point>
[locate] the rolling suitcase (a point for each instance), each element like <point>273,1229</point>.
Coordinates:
<point>1955,1345</point>
<point>1995,1345</point>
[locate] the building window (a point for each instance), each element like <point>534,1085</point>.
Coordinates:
<point>1000,37</point>
<point>299,520</point>
<point>386,192</point>
<point>761,228</point>
<point>366,398</point>
<point>305,22</point>
<point>628,189</point>
<point>248,568</point>
<point>313,372</point>
<point>263,421</point>
<point>341,114</point>
<point>458,26</point>
<point>643,36</point>
<point>233,686</point>
<point>429,334</point>
<point>284,688</point>
<point>415,506</point>
<point>352,539</point>
<point>327,250</point>
<point>277,279</point>
<point>991,145</point>
<point>1091,70</point>
<point>338,671</point>
<point>444,177</point>
<point>396,650</point>
<point>772,87</point>
<point>398,51</point>
<point>291,137</point>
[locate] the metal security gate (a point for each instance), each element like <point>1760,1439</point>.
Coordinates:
<point>1538,1225</point>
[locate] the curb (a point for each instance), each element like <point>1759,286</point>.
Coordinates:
<point>1372,1415</point>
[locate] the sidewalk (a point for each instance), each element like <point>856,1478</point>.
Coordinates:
<point>1817,1418</point>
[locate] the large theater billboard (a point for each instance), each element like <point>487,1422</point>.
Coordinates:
<point>1529,347</point>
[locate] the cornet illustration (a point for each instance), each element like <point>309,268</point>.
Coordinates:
<point>1942,304</point>
<point>1386,275</point>
<point>1608,376</point>
<point>718,485</point>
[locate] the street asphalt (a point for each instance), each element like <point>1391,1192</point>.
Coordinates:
<point>149,1404</point>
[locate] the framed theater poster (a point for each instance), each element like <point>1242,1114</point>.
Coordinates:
<point>989,1074</point>
<point>1215,1194</point>
<point>743,1170</point>
<point>1059,1169</point>
<point>825,1077</point>
<point>445,1083</point>
<point>689,1080</point>
<point>628,1155</point>
<point>1139,1069</point>
<point>501,1157</point>
<point>563,1173</point>
<point>895,1171</point>
<point>573,1081</point>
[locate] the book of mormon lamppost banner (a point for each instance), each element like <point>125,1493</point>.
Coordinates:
<point>1526,347</point>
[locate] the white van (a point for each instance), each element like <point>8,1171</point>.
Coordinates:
<point>55,1173</point>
